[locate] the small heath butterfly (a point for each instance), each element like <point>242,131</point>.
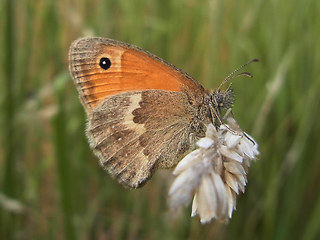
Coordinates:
<point>143,113</point>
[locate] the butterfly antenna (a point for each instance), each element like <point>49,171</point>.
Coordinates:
<point>231,75</point>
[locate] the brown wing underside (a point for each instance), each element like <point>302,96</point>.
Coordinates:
<point>137,132</point>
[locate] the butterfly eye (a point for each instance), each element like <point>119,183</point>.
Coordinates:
<point>105,63</point>
<point>218,98</point>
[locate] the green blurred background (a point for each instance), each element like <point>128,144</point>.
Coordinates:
<point>51,185</point>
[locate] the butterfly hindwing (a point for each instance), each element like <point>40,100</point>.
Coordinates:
<point>134,133</point>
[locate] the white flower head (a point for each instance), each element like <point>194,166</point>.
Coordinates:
<point>214,173</point>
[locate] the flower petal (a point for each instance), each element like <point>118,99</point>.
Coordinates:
<point>225,151</point>
<point>212,132</point>
<point>234,167</point>
<point>182,188</point>
<point>188,161</point>
<point>221,196</point>
<point>194,210</point>
<point>231,139</point>
<point>205,142</point>
<point>232,182</point>
<point>231,201</point>
<point>206,200</point>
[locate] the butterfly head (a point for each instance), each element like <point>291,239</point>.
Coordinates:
<point>219,102</point>
<point>222,99</point>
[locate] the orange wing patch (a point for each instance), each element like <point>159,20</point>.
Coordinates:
<point>104,67</point>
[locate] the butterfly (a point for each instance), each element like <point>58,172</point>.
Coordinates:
<point>142,112</point>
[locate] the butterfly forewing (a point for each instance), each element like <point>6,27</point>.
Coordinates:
<point>129,69</point>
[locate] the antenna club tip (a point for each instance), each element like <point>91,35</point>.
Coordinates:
<point>255,60</point>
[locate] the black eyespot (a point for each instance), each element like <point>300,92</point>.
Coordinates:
<point>105,63</point>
